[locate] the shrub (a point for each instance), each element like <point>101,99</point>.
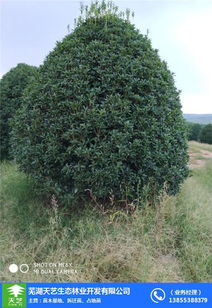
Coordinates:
<point>206,134</point>
<point>194,130</point>
<point>103,116</point>
<point>12,86</point>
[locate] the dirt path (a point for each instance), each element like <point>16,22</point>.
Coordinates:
<point>198,160</point>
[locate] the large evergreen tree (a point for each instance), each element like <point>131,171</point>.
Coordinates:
<point>104,115</point>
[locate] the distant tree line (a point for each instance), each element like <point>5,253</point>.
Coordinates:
<point>200,132</point>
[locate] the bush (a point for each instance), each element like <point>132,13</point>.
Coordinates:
<point>12,86</point>
<point>194,130</point>
<point>104,116</point>
<point>206,134</point>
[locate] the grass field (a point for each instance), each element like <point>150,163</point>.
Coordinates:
<point>171,242</point>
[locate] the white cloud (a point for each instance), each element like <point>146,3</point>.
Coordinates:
<point>197,103</point>
<point>194,35</point>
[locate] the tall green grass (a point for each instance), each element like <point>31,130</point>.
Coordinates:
<point>169,242</point>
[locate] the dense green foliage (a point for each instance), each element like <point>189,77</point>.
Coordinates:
<point>12,86</point>
<point>194,130</point>
<point>104,115</point>
<point>199,132</point>
<point>206,134</point>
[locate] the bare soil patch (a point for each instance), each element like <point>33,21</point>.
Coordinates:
<point>195,162</point>
<point>206,154</point>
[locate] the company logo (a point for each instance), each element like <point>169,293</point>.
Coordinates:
<point>157,295</point>
<point>14,295</point>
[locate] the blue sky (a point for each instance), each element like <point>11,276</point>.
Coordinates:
<point>180,29</point>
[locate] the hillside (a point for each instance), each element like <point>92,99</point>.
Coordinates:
<point>198,118</point>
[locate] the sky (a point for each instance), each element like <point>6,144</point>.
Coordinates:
<point>180,29</point>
